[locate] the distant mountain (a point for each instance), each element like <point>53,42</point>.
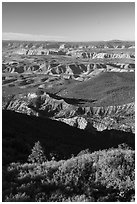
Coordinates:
<point>68,44</point>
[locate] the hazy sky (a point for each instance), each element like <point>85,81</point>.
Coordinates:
<point>75,21</point>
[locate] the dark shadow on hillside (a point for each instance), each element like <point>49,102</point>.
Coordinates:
<point>72,101</point>
<point>20,132</point>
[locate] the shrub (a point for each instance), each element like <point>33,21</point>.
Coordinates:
<point>19,197</point>
<point>101,176</point>
<point>37,155</point>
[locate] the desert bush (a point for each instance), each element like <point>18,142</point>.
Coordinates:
<point>79,198</point>
<point>115,170</point>
<point>19,197</point>
<point>74,172</point>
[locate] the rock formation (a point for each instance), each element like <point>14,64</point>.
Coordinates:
<point>111,117</point>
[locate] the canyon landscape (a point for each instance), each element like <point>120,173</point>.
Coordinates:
<point>68,120</point>
<point>80,91</point>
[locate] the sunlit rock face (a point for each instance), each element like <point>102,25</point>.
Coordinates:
<point>102,118</point>
<point>120,117</point>
<point>78,122</point>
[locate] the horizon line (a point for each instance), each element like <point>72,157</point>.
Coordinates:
<point>10,36</point>
<point>69,40</point>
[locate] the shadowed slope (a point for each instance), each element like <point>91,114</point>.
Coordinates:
<point>20,132</point>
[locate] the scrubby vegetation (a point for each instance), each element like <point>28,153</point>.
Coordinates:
<point>105,175</point>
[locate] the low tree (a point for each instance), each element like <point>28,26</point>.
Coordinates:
<point>37,155</point>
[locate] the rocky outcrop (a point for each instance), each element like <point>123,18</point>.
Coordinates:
<point>21,106</point>
<point>101,118</point>
<point>103,55</point>
<point>107,123</point>
<point>76,70</point>
<point>76,53</point>
<point>111,117</point>
<point>78,122</point>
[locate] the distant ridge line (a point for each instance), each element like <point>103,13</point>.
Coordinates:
<point>105,41</point>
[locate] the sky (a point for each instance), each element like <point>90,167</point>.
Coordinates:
<point>68,21</point>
